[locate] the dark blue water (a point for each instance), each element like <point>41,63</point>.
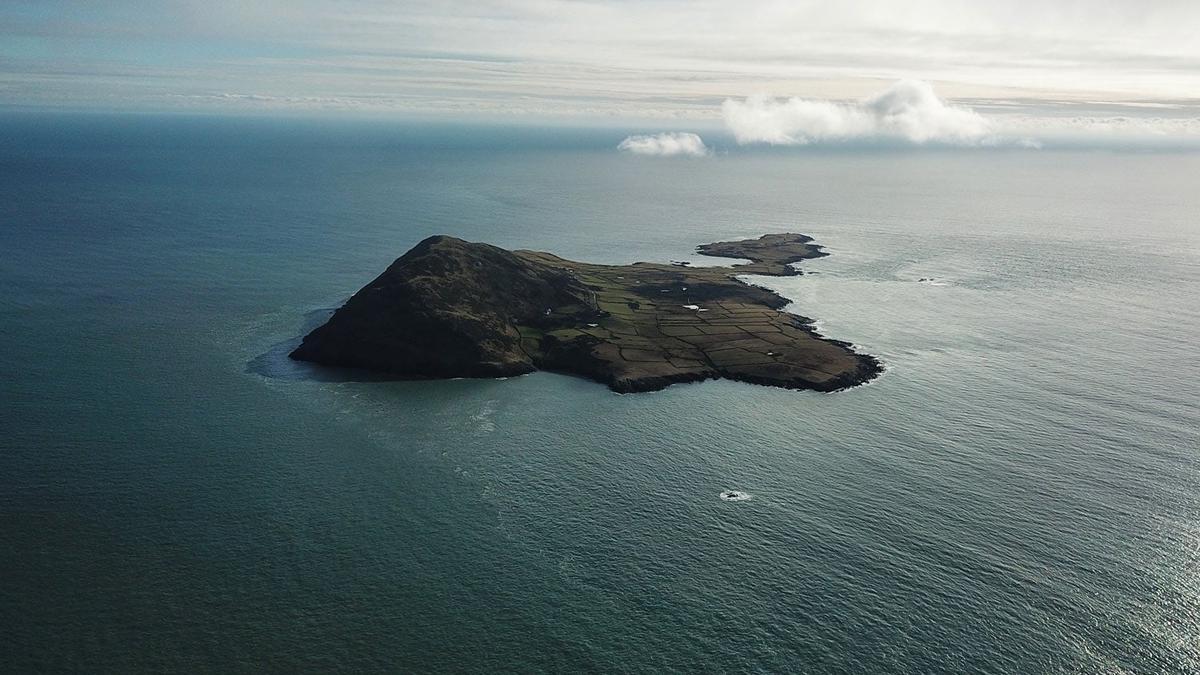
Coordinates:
<point>1018,493</point>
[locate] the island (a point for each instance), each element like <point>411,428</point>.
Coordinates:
<point>449,308</point>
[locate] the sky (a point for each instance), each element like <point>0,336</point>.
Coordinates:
<point>1092,65</point>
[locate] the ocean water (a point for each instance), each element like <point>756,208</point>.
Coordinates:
<point>1017,493</point>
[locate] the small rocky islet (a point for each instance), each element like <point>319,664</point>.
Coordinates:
<point>451,308</point>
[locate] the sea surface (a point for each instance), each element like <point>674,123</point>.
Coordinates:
<point>1018,493</point>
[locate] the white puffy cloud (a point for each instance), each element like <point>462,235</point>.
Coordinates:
<point>666,144</point>
<point>909,110</point>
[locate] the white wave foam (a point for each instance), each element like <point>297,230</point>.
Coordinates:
<point>483,420</point>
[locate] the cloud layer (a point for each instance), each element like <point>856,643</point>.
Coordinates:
<point>599,59</point>
<point>666,144</point>
<point>908,111</point>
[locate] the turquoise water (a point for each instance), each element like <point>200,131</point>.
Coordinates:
<point>1017,493</point>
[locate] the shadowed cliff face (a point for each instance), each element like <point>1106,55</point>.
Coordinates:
<point>447,308</point>
<point>450,308</point>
